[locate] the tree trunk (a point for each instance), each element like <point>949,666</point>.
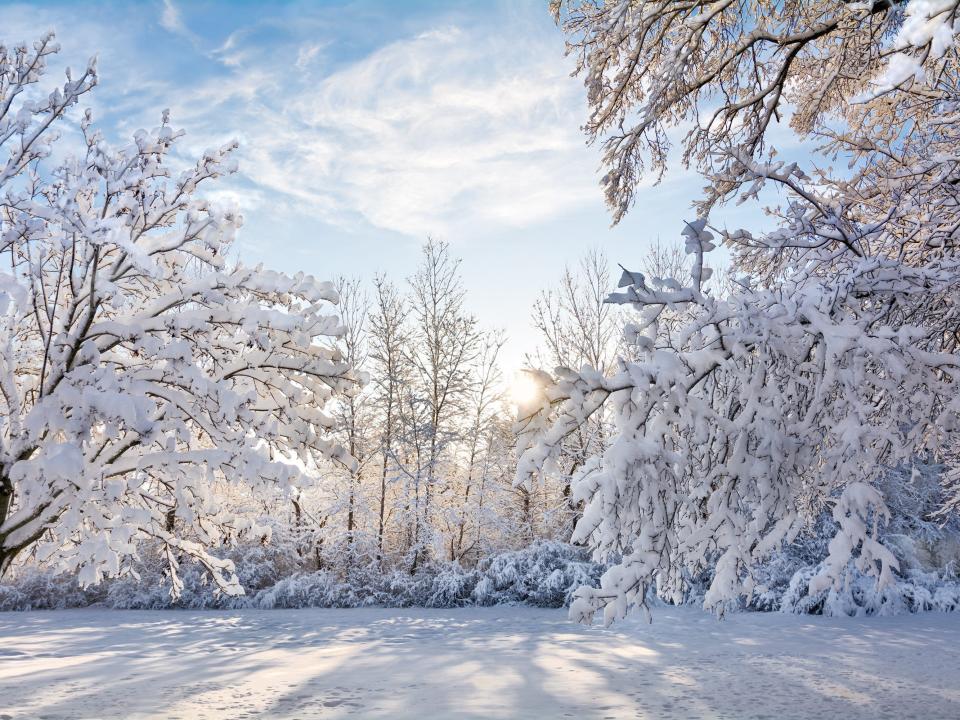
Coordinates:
<point>383,503</point>
<point>6,559</point>
<point>6,501</point>
<point>350,506</point>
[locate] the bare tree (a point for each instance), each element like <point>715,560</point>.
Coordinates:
<point>575,323</point>
<point>389,341</point>
<point>486,405</point>
<point>445,344</point>
<point>354,308</point>
<point>666,261</point>
<point>578,327</point>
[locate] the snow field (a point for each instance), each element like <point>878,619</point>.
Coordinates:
<point>498,662</point>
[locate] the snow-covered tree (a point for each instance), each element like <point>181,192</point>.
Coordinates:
<point>139,370</point>
<point>390,372</point>
<point>577,328</point>
<point>726,70</point>
<point>352,414</point>
<point>444,345</point>
<point>483,410</point>
<point>833,355</point>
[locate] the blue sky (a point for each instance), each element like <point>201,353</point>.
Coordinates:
<point>366,126</point>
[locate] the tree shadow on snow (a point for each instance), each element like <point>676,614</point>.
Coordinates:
<point>472,662</point>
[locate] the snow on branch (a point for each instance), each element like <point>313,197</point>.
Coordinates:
<point>140,370</point>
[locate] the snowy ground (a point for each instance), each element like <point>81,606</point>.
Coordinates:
<point>479,663</point>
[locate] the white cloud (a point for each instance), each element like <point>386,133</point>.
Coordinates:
<point>449,131</point>
<point>437,133</point>
<point>308,53</point>
<point>171,20</point>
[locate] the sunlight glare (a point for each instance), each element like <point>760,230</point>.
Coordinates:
<point>525,390</point>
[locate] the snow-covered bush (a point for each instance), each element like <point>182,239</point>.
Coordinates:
<point>860,595</point>
<point>35,589</point>
<point>545,575</point>
<point>928,578</point>
<point>259,566</point>
<point>316,589</point>
<point>926,549</point>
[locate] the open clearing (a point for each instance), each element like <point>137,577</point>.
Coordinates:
<point>495,662</point>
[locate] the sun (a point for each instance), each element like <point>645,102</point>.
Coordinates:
<point>525,390</point>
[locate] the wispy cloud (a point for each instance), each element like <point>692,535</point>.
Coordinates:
<point>452,130</point>
<point>307,54</point>
<point>170,18</point>
<point>436,133</point>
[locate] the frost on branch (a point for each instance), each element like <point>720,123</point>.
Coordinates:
<point>140,371</point>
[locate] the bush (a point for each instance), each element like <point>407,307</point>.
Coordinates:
<point>917,592</point>
<point>545,575</point>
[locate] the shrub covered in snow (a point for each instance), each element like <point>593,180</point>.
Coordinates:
<point>545,575</point>
<point>916,592</point>
<point>926,547</point>
<point>46,590</point>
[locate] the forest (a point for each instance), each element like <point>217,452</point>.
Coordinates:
<point>179,429</point>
